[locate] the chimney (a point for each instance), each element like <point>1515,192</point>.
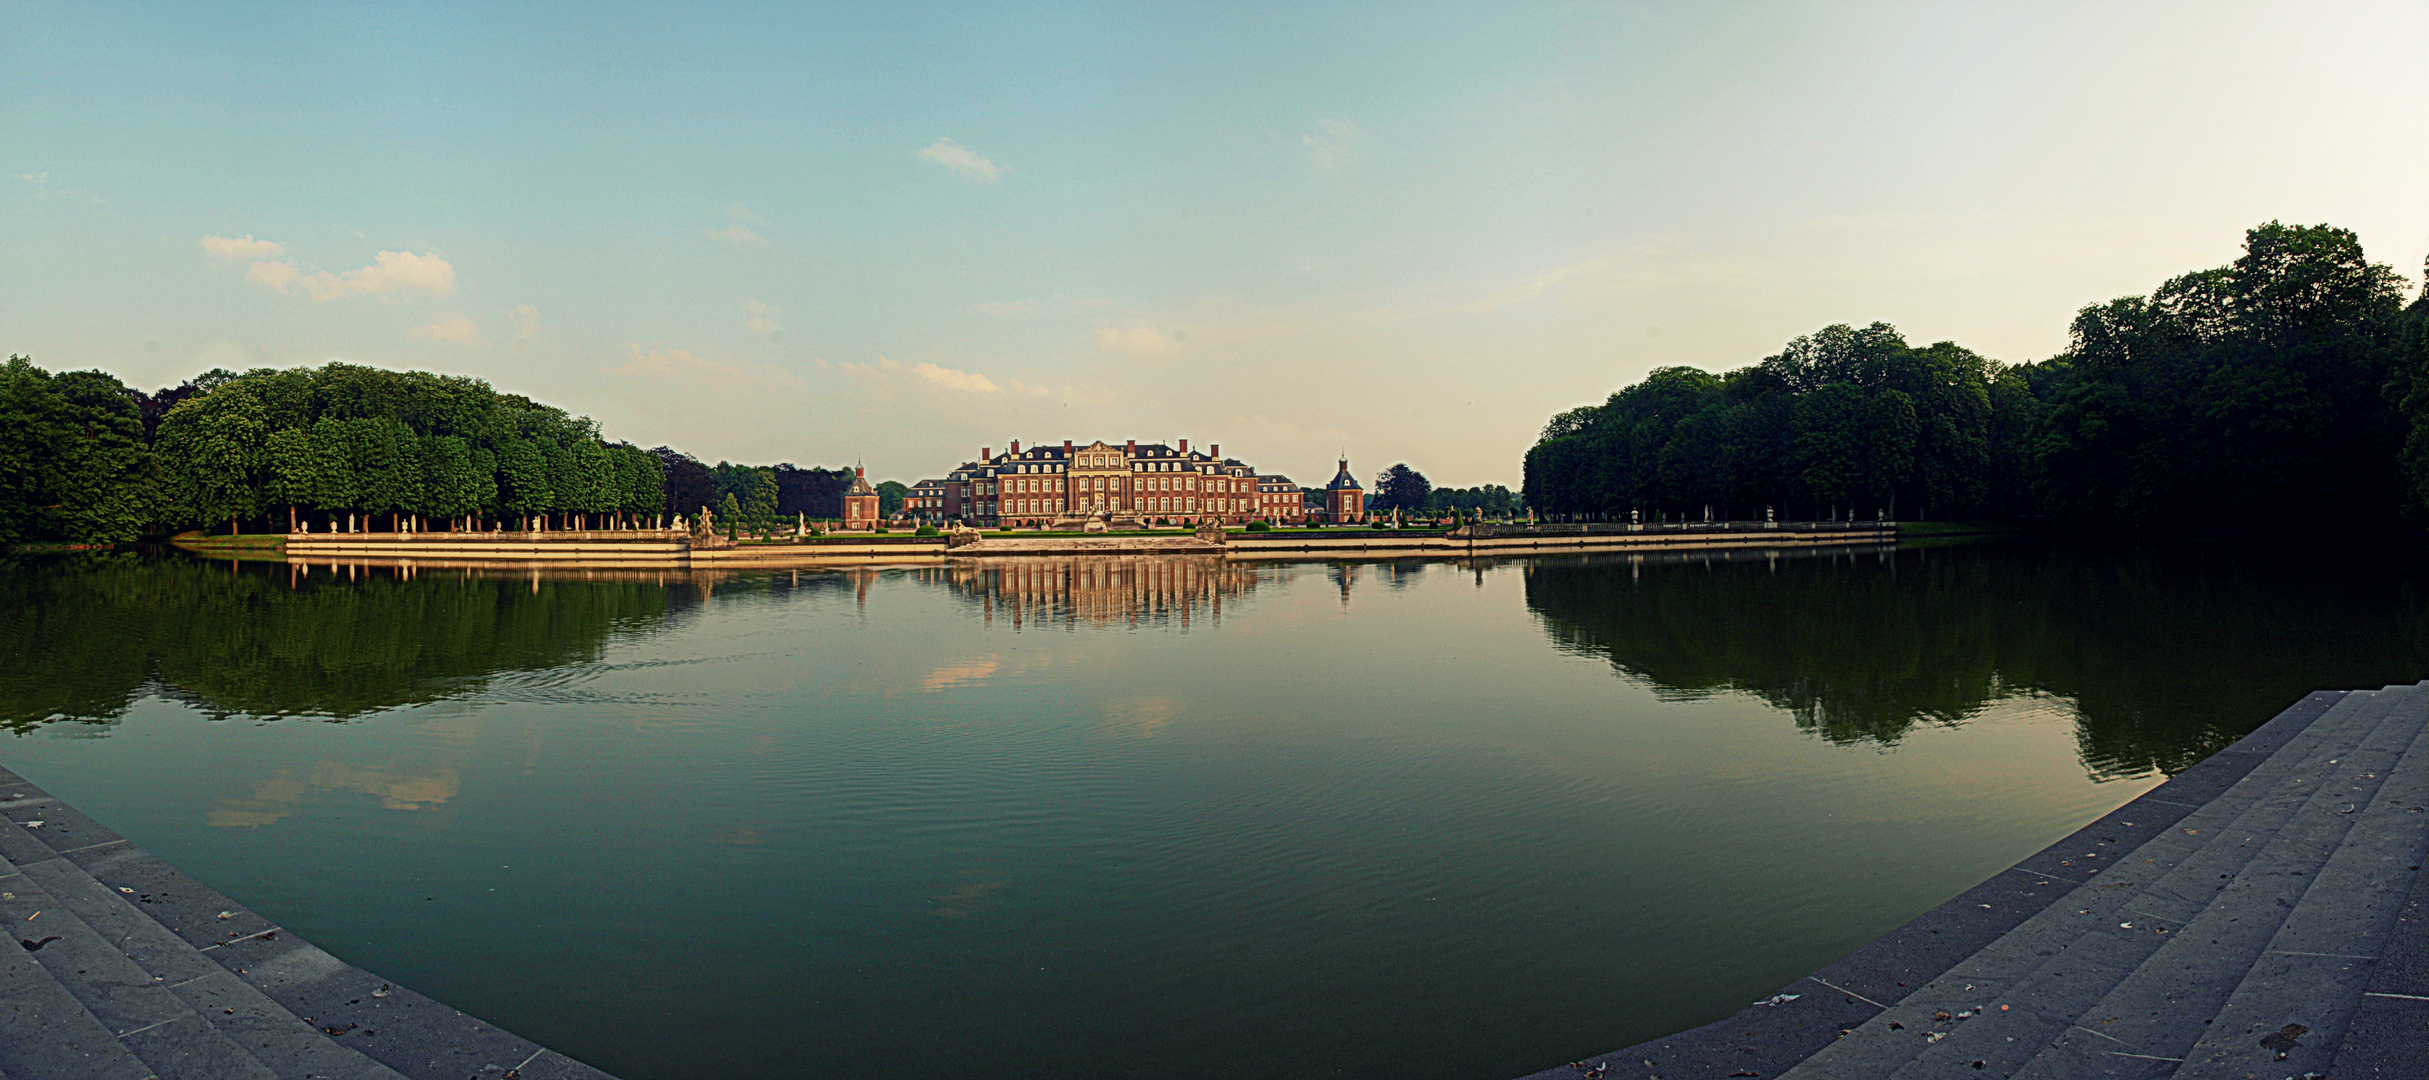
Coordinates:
<point>1016,448</point>
<point>1131,448</point>
<point>1184,448</point>
<point>1066,451</point>
<point>1216,450</point>
<point>986,454</point>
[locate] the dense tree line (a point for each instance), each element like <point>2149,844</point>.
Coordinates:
<point>2292,381</point>
<point>1404,489</point>
<point>86,459</point>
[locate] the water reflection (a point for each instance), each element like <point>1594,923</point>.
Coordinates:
<point>2166,655</point>
<point>2162,656</point>
<point>88,636</point>
<point>1096,590</point>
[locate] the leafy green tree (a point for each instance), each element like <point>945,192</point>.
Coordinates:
<point>1399,488</point>
<point>890,494</point>
<point>214,449</point>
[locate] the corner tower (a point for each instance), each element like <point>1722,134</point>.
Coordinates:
<point>1344,500</point>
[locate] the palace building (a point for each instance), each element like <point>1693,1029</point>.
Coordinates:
<point>1148,482</point>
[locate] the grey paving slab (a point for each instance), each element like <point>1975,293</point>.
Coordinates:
<point>2388,1040</point>
<point>186,907</point>
<point>277,1038</point>
<point>114,916</point>
<point>47,1031</point>
<point>2066,956</point>
<point>144,972</point>
<point>1906,963</point>
<point>111,987</point>
<point>388,1023</point>
<point>189,1048</point>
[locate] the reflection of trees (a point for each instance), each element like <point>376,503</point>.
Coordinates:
<point>2167,655</point>
<point>86,636</point>
<point>1098,590</point>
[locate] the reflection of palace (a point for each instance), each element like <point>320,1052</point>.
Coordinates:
<point>1150,481</point>
<point>1097,590</point>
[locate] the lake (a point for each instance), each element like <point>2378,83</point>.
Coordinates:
<point>1172,817</point>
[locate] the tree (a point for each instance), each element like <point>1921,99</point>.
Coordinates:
<point>215,450</point>
<point>890,494</point>
<point>1399,488</point>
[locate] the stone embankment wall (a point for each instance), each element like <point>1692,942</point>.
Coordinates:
<point>674,551</point>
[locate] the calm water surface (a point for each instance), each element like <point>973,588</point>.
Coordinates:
<point>1163,817</point>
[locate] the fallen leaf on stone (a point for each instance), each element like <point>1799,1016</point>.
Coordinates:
<point>36,946</point>
<point>2283,1040</point>
<point>1939,1014</point>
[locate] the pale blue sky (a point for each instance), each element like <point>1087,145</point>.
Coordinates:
<point>899,233</point>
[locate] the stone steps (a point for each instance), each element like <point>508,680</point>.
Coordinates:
<point>143,972</point>
<point>2169,938</point>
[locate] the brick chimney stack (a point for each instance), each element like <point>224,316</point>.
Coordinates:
<point>1066,451</point>
<point>1131,448</point>
<point>1184,448</point>
<point>986,454</point>
<point>1016,448</point>
<point>1215,450</point>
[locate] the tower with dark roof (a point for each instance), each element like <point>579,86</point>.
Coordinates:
<point>1344,500</point>
<point>860,502</point>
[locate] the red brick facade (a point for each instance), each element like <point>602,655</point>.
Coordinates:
<point>1149,481</point>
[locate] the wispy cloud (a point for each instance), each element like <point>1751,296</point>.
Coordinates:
<point>38,184</point>
<point>972,165</point>
<point>1140,342</point>
<point>761,319</point>
<point>1005,308</point>
<point>683,366</point>
<point>1331,145</point>
<point>233,248</point>
<point>743,214</point>
<point>453,326</point>
<point>737,235</point>
<point>526,320</point>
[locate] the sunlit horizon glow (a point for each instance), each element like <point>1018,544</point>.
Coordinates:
<point>896,234</point>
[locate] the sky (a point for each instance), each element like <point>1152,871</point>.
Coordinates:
<point>896,233</point>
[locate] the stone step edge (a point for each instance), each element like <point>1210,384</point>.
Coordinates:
<point>2404,834</point>
<point>1875,1045</point>
<point>2310,829</point>
<point>315,986</point>
<point>1768,1039</point>
<point>67,1017</point>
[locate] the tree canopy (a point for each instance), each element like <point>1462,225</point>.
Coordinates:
<point>86,459</point>
<point>2293,379</point>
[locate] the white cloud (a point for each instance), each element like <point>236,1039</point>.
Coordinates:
<point>1138,341</point>
<point>1330,146</point>
<point>526,319</point>
<point>391,275</point>
<point>240,247</point>
<point>925,374</point>
<point>736,236</point>
<point>761,319</point>
<point>1005,308</point>
<point>743,214</point>
<point>278,276</point>
<point>453,326</point>
<point>972,165</point>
